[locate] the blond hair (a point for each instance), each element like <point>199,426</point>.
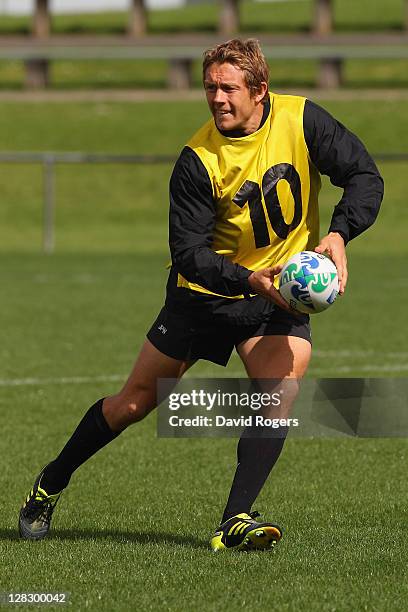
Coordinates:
<point>243,54</point>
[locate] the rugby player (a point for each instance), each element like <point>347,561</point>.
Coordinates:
<point>243,199</point>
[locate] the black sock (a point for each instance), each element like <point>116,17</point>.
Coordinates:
<point>92,434</point>
<point>256,457</point>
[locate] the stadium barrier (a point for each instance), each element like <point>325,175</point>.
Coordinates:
<point>49,159</point>
<point>228,21</point>
<point>42,46</point>
<point>181,50</point>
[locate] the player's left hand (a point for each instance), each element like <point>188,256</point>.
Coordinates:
<point>333,245</point>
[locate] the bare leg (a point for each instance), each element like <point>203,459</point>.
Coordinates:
<point>138,396</point>
<point>278,360</point>
<point>275,357</point>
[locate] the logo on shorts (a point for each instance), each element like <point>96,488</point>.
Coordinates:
<point>162,329</point>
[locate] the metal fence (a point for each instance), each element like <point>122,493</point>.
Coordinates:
<point>49,159</point>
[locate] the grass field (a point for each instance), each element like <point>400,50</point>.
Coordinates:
<point>131,531</point>
<point>152,74</point>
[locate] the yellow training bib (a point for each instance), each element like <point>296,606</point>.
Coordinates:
<point>265,188</point>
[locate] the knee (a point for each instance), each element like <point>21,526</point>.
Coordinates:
<point>134,412</point>
<point>121,411</point>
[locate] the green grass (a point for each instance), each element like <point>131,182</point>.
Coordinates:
<point>122,209</point>
<point>152,74</point>
<point>90,198</point>
<point>133,127</point>
<point>74,319</point>
<point>145,539</point>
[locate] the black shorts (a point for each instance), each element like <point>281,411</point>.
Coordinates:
<point>188,339</point>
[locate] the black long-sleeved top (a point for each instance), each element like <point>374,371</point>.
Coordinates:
<point>334,150</point>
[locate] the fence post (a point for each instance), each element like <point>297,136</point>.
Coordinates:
<point>229,17</point>
<point>323,24</point>
<point>330,73</point>
<point>137,19</point>
<point>49,203</point>
<point>41,19</point>
<point>330,70</point>
<point>37,71</point>
<point>179,74</point>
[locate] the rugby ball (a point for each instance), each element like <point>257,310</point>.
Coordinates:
<point>309,282</point>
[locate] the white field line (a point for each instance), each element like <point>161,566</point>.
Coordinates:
<point>329,372</point>
<point>402,367</point>
<point>352,353</point>
<point>65,380</point>
<point>280,1</point>
<point>79,380</point>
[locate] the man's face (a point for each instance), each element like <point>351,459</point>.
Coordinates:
<point>230,100</point>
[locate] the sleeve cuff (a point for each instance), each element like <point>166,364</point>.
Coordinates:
<point>245,287</point>
<point>343,234</point>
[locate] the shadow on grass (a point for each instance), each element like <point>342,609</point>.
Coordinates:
<point>206,26</point>
<point>106,85</point>
<point>123,537</point>
<point>78,28</point>
<point>376,84</point>
<point>11,86</point>
<point>370,27</point>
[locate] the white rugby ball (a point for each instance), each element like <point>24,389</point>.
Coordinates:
<point>309,282</point>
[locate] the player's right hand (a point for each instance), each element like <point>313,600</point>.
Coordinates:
<point>262,283</point>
